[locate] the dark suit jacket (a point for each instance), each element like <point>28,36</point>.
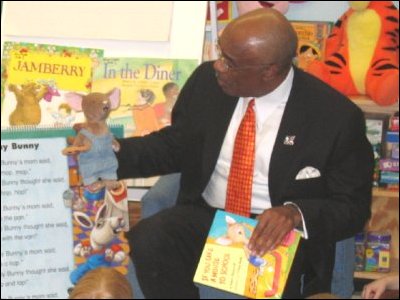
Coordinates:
<point>329,135</point>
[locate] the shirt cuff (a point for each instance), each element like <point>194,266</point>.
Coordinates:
<point>303,230</point>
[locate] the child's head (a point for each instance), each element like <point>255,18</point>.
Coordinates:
<point>64,109</point>
<point>102,283</point>
<point>171,92</point>
<point>146,96</point>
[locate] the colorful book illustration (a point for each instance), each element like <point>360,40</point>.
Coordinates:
<point>227,264</point>
<point>376,125</point>
<point>35,78</point>
<point>312,37</point>
<point>224,12</point>
<point>149,88</point>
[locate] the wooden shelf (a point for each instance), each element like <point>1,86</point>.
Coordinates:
<point>394,266</point>
<point>367,105</point>
<point>383,192</point>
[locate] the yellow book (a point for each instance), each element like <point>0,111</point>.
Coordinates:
<point>35,79</point>
<point>311,41</point>
<point>227,264</point>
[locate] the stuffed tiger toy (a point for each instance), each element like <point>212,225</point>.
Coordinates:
<point>362,52</point>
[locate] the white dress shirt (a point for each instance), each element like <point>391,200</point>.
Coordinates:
<point>268,110</point>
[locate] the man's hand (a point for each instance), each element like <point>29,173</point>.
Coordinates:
<point>273,225</point>
<point>71,150</point>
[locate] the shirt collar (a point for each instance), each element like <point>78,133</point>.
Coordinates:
<point>266,104</point>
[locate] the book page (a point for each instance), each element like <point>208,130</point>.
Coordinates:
<point>36,239</point>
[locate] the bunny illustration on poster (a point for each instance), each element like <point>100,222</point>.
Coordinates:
<point>102,249</point>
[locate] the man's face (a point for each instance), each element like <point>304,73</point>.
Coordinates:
<point>238,70</point>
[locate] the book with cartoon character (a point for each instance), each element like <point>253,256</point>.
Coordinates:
<point>35,78</point>
<point>312,37</point>
<point>227,264</point>
<point>149,89</point>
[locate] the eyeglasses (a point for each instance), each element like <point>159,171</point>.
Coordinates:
<point>228,65</point>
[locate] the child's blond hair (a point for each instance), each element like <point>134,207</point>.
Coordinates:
<point>102,283</point>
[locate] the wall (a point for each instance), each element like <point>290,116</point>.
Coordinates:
<point>184,13</point>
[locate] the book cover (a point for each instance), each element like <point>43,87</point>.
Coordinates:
<point>35,78</point>
<point>226,262</point>
<point>376,126</point>
<point>312,37</point>
<point>224,12</point>
<point>149,89</point>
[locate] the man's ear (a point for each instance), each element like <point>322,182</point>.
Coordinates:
<point>269,71</point>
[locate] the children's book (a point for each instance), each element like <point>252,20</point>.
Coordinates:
<point>376,126</point>
<point>35,78</point>
<point>149,89</point>
<point>227,264</point>
<point>312,37</point>
<point>224,12</point>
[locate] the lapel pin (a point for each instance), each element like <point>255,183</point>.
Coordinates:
<point>289,140</point>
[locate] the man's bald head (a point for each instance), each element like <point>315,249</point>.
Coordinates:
<point>264,33</point>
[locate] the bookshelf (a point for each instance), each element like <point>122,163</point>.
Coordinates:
<point>385,203</point>
<point>367,105</point>
<point>376,275</point>
<point>385,217</point>
<point>382,192</point>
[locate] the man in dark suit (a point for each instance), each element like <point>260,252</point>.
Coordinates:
<point>313,163</point>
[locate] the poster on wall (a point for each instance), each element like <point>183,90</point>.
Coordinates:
<point>36,227</point>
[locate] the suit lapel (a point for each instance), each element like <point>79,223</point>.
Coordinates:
<point>289,139</point>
